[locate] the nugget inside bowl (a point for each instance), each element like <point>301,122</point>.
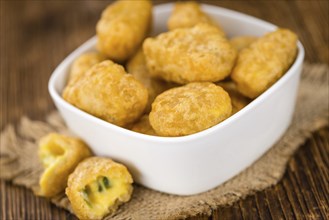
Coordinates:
<point>199,162</point>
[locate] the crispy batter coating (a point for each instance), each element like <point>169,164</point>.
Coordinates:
<point>107,92</point>
<point>188,14</point>
<point>242,42</point>
<point>122,28</point>
<point>183,55</point>
<point>143,126</point>
<point>262,63</point>
<point>238,101</point>
<point>59,155</point>
<point>137,67</point>
<point>189,109</point>
<point>83,63</point>
<point>97,187</point>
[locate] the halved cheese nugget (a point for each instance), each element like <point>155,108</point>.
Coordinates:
<point>59,155</point>
<point>189,109</point>
<point>183,55</point>
<point>264,62</point>
<point>188,14</point>
<point>137,67</point>
<point>83,63</point>
<point>108,92</point>
<point>97,187</point>
<point>122,28</point>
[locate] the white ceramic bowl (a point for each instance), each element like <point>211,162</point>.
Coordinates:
<point>198,162</point>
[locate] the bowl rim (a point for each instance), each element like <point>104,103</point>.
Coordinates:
<point>293,69</point>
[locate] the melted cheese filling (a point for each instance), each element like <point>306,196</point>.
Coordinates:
<point>103,193</point>
<point>51,154</point>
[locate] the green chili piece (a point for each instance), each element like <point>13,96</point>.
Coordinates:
<point>106,182</point>
<point>85,195</point>
<point>100,187</point>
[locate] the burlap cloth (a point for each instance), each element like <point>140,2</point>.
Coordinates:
<point>19,161</point>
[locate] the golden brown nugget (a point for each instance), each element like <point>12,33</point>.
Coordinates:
<point>137,67</point>
<point>183,55</point>
<point>188,14</point>
<point>83,63</point>
<point>122,28</point>
<point>108,92</point>
<point>242,42</point>
<point>59,155</point>
<point>143,126</point>
<point>189,109</point>
<point>262,63</point>
<point>238,101</point>
<point>97,187</point>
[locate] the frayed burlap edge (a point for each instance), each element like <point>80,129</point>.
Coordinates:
<point>19,161</point>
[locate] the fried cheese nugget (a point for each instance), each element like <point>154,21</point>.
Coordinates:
<point>143,126</point>
<point>122,28</point>
<point>262,63</point>
<point>108,92</point>
<point>83,63</point>
<point>242,42</point>
<point>97,187</point>
<point>188,14</point>
<point>59,155</point>
<point>189,109</point>
<point>137,67</point>
<point>183,55</point>
<point>238,100</point>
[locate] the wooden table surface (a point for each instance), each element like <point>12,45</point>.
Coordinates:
<point>36,36</point>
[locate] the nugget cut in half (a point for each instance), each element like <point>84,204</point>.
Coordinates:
<point>122,28</point>
<point>108,92</point>
<point>262,63</point>
<point>189,109</point>
<point>59,155</point>
<point>97,187</point>
<point>183,55</point>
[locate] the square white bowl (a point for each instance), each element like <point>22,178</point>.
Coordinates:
<point>199,162</point>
